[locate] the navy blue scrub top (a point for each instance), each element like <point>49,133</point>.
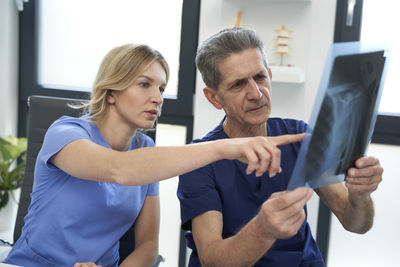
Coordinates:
<point>224,186</point>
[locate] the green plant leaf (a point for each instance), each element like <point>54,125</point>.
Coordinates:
<point>15,146</point>
<point>5,155</point>
<point>11,174</point>
<point>16,176</point>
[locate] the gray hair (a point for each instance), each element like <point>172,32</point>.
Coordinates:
<point>220,46</point>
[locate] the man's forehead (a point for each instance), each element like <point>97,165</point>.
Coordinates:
<point>232,73</point>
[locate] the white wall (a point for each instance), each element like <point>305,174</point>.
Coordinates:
<point>312,23</point>
<point>380,246</point>
<point>8,67</point>
<point>8,95</point>
<point>313,33</point>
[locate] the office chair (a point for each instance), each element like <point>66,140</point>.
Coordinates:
<point>43,111</point>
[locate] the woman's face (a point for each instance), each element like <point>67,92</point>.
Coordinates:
<point>139,104</point>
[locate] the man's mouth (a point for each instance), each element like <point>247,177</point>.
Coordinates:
<point>256,108</point>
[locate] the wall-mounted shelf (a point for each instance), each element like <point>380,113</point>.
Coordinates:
<point>281,1</point>
<point>287,74</point>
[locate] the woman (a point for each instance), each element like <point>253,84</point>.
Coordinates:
<point>97,174</point>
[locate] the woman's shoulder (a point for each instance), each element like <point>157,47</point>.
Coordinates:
<point>71,126</point>
<point>67,121</point>
<point>142,140</point>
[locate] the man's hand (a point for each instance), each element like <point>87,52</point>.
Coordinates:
<point>260,153</point>
<point>362,180</point>
<point>282,215</point>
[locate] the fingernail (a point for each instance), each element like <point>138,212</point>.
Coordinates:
<point>258,174</point>
<point>272,174</point>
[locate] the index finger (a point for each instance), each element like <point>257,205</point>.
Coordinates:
<point>287,139</point>
<point>301,194</point>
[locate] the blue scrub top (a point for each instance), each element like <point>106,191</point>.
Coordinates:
<point>224,186</point>
<point>71,219</point>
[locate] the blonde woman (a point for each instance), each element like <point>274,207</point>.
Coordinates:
<point>97,174</point>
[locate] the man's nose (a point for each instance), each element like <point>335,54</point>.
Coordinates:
<point>253,90</point>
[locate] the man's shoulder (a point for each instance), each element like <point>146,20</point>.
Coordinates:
<point>279,126</point>
<point>215,134</point>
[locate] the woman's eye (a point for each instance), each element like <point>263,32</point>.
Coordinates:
<point>144,84</point>
<point>162,89</point>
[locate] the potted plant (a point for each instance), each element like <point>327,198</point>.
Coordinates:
<point>11,170</point>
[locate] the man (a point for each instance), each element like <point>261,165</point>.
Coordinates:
<point>238,218</point>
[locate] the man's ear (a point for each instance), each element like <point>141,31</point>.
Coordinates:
<point>270,73</point>
<point>211,96</point>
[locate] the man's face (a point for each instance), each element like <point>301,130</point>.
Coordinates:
<point>244,92</point>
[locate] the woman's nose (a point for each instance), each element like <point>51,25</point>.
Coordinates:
<point>157,96</point>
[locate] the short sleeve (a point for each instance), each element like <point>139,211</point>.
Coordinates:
<point>302,127</point>
<point>153,189</point>
<point>59,134</point>
<point>197,192</point>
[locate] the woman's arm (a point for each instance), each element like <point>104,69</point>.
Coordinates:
<point>85,159</point>
<point>146,235</point>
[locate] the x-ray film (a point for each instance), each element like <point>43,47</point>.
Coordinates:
<point>344,114</point>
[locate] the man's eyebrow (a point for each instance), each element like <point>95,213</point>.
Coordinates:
<point>262,72</point>
<point>230,84</point>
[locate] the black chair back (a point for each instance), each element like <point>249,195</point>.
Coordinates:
<point>43,111</point>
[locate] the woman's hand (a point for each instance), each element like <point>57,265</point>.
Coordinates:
<point>86,264</point>
<point>260,153</point>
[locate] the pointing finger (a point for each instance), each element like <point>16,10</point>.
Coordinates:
<point>287,139</point>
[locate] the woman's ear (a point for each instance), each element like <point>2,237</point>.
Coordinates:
<point>212,97</point>
<point>110,97</point>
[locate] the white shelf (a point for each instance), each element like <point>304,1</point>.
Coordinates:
<point>287,74</point>
<point>281,1</point>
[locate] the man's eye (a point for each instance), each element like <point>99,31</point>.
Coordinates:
<point>237,84</point>
<point>260,77</point>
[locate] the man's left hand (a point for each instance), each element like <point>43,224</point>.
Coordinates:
<point>365,177</point>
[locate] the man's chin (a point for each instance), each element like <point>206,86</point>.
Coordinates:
<point>259,120</point>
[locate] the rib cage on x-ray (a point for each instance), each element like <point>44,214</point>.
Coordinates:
<point>340,132</point>
<point>332,146</point>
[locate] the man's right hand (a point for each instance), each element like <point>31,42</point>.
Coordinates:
<point>282,215</point>
<point>260,153</point>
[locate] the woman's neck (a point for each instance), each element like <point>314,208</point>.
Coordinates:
<point>118,135</point>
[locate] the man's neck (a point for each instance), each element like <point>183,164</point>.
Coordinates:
<point>234,130</point>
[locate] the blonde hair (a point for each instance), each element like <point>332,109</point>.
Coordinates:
<point>118,70</point>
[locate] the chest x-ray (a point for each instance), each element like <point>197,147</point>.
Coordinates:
<point>344,114</point>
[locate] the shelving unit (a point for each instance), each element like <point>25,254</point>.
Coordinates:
<point>266,16</point>
<point>287,74</point>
